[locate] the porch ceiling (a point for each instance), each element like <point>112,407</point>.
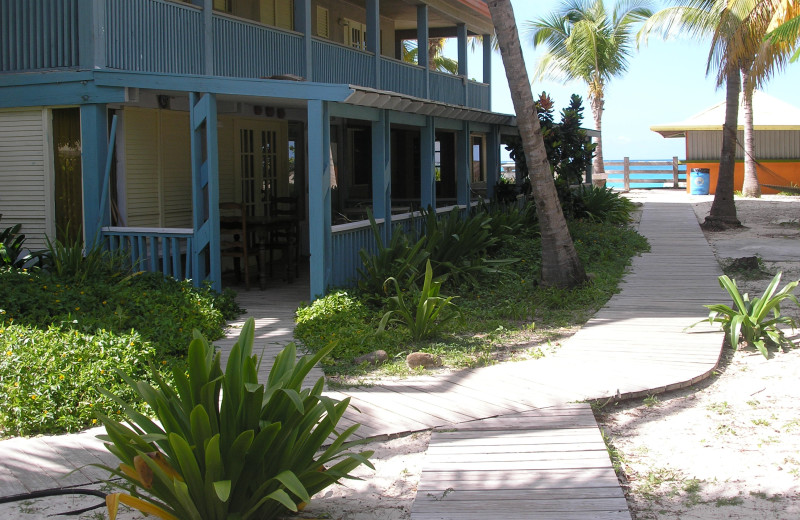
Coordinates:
<point>367,97</point>
<point>441,14</point>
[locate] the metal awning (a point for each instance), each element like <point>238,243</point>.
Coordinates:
<point>368,97</point>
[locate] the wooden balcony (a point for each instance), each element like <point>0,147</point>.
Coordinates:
<point>158,36</point>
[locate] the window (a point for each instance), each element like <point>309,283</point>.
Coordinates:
<point>355,34</point>
<point>323,23</point>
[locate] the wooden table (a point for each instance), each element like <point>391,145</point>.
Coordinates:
<point>262,225</point>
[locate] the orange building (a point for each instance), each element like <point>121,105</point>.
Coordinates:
<point>777,142</point>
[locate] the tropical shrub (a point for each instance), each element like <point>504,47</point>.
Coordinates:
<point>49,376</point>
<point>402,258</point>
<point>339,320</point>
<point>227,446</point>
<point>427,316</point>
<point>601,204</point>
<point>756,322</point>
<point>149,303</point>
<point>12,250</point>
<point>75,263</point>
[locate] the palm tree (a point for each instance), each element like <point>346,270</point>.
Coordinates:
<point>704,18</point>
<point>561,266</point>
<point>436,58</point>
<point>758,58</point>
<point>588,43</point>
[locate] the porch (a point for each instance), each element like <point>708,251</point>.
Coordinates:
<point>245,41</point>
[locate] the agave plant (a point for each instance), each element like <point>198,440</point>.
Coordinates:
<point>429,314</point>
<point>756,321</point>
<point>254,453</point>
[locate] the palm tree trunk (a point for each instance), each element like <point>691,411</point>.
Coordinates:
<point>723,209</point>
<point>750,187</point>
<point>561,266</point>
<point>597,103</point>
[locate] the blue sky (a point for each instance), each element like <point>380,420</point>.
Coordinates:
<point>665,82</point>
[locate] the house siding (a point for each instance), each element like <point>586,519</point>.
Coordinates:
<point>24,174</point>
<point>705,145</point>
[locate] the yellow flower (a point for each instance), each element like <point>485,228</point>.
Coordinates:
<point>44,287</point>
<point>104,302</point>
<point>61,376</point>
<point>9,353</point>
<point>94,421</point>
<point>58,301</point>
<point>33,397</point>
<point>16,383</point>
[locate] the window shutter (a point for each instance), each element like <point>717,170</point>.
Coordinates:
<point>323,23</point>
<point>284,14</point>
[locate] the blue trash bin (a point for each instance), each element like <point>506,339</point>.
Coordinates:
<point>699,179</point>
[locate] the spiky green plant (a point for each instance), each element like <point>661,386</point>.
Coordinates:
<point>254,453</point>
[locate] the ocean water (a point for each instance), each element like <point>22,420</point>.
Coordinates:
<point>615,176</point>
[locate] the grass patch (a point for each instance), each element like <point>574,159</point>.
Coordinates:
<point>509,313</point>
<point>62,338</point>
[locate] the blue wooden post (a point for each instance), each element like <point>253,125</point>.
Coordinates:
<point>374,36</point>
<point>319,196</point>
<point>427,154</point>
<point>94,150</point>
<point>91,31</point>
<point>302,24</point>
<point>492,160</point>
<point>463,164</point>
<point>463,70</point>
<point>205,189</point>
<point>382,172</point>
<point>487,64</point>
<point>208,37</point>
<point>422,46</point>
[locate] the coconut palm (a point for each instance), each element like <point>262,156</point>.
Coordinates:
<point>436,58</point>
<point>561,266</point>
<point>786,29</point>
<point>587,42</point>
<point>703,19</point>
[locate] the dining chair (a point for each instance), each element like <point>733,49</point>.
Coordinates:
<point>285,235</point>
<point>234,238</point>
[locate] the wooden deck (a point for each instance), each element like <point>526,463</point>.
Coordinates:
<point>543,464</point>
<point>636,345</point>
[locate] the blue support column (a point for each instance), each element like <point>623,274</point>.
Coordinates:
<point>487,63</point>
<point>492,160</point>
<point>91,34</point>
<point>208,37</point>
<point>463,70</point>
<point>382,172</point>
<point>422,46</point>
<point>427,154</point>
<point>205,189</point>
<point>374,36</point>
<point>463,164</point>
<point>319,197</point>
<point>94,151</point>
<point>302,24</point>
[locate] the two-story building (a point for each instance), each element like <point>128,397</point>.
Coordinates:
<point>137,118</point>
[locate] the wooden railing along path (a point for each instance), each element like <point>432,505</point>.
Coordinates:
<point>670,167</point>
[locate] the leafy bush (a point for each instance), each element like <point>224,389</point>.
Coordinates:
<point>75,263</point>
<point>149,303</point>
<point>48,377</point>
<point>12,250</point>
<point>339,320</point>
<point>754,321</point>
<point>251,454</point>
<point>401,259</point>
<point>429,314</point>
<point>601,204</point>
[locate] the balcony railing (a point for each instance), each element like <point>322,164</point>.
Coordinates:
<point>38,35</point>
<point>168,37</point>
<point>334,63</point>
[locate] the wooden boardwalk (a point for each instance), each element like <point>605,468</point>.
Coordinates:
<point>636,345</point>
<point>544,464</point>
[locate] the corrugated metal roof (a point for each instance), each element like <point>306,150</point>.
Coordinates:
<point>769,113</point>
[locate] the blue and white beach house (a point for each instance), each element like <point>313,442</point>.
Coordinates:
<point>137,118</point>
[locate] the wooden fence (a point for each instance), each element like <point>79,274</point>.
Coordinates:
<point>634,167</point>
